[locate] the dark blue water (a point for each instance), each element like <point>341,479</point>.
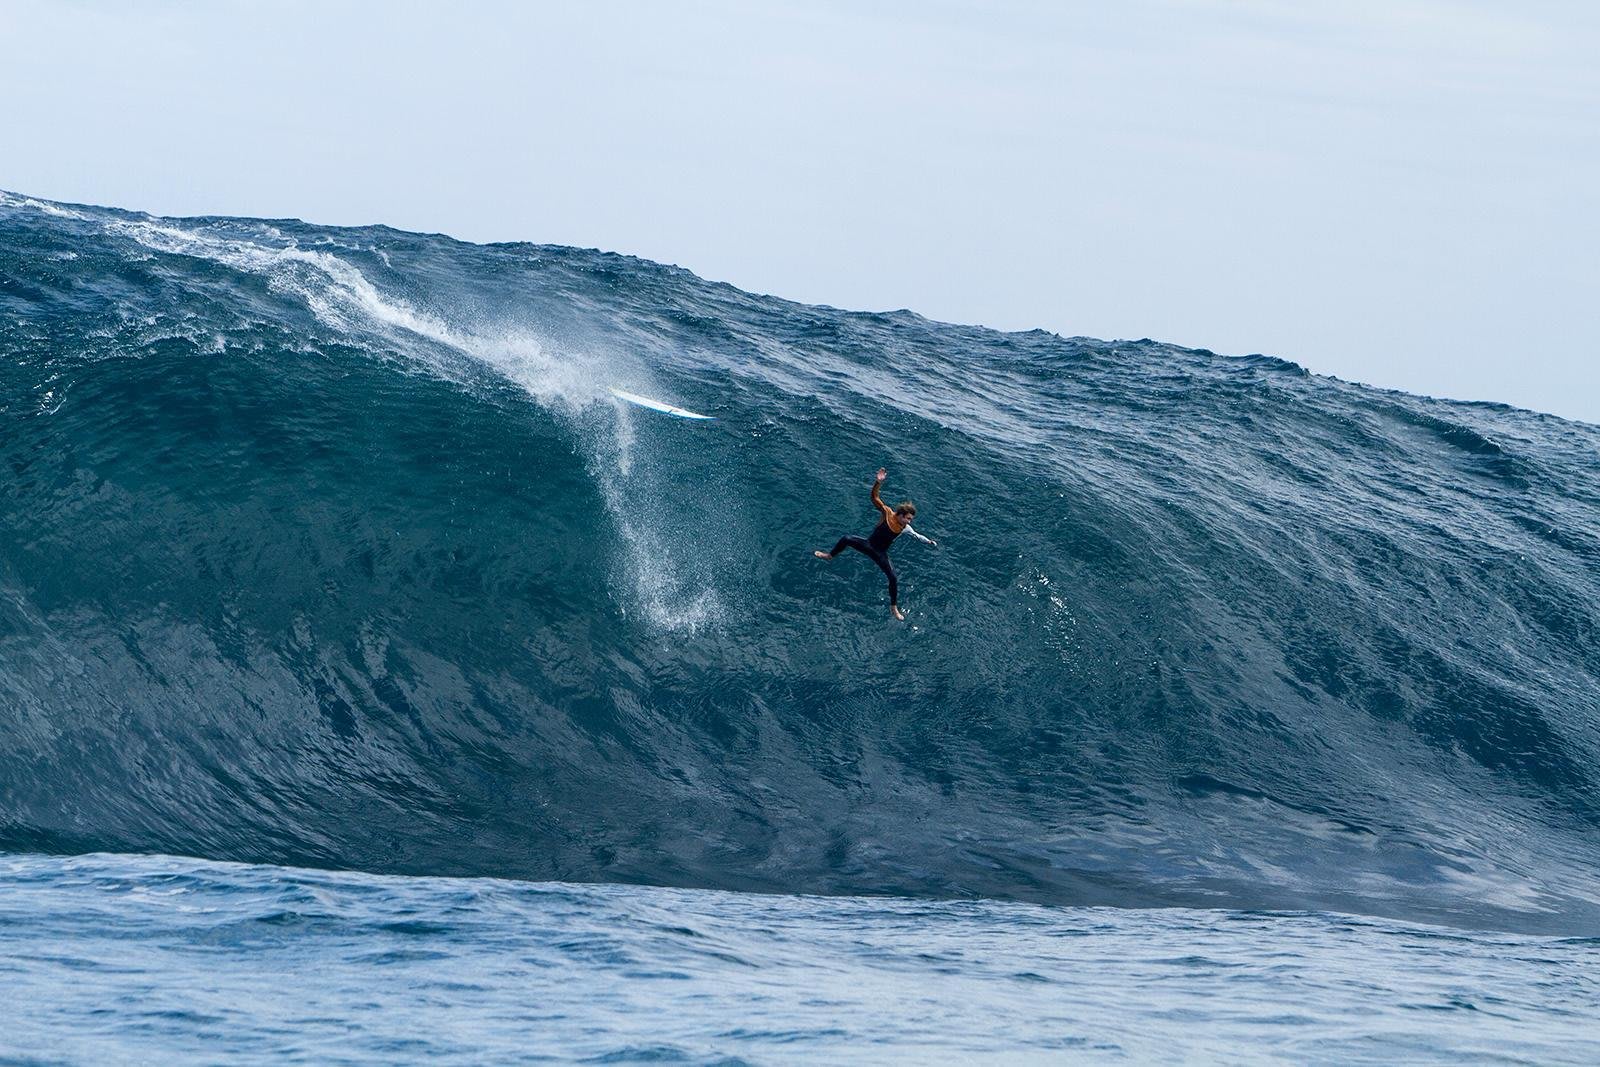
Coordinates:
<point>329,548</point>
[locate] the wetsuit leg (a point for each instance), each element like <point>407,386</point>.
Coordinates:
<point>851,541</point>
<point>882,561</point>
<point>863,546</point>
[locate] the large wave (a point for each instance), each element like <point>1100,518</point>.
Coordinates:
<point>329,546</point>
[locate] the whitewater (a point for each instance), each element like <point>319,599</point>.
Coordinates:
<point>351,629</point>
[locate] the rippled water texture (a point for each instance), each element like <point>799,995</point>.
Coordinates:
<point>154,958</point>
<point>330,547</point>
<point>1240,713</point>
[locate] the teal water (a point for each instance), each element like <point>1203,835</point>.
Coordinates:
<point>329,548</point>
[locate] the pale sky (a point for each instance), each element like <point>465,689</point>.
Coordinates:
<point>1402,192</point>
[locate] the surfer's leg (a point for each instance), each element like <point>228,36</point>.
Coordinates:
<point>882,561</point>
<point>848,541</point>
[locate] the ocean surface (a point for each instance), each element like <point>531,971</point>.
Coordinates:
<point>375,686</point>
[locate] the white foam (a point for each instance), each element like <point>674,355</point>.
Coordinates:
<point>572,384</point>
<point>343,298</point>
<point>13,200</point>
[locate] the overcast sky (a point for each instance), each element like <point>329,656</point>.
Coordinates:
<point>1402,192</point>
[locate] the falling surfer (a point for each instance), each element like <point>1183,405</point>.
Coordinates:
<point>895,521</point>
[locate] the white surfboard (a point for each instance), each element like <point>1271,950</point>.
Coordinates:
<point>657,405</point>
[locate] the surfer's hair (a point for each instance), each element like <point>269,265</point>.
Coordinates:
<point>905,507</point>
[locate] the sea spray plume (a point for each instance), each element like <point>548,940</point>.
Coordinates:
<point>324,546</point>
<point>566,383</point>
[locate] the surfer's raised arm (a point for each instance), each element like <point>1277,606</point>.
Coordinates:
<point>888,513</point>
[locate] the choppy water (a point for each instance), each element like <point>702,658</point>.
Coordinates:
<point>155,958</point>
<point>330,548</point>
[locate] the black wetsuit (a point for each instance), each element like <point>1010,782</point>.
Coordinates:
<point>875,548</point>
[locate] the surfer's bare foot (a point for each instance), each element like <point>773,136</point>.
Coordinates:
<point>822,555</point>
<point>897,612</point>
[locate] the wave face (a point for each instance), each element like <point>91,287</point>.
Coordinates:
<point>329,547</point>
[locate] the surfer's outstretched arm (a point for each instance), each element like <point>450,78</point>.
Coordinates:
<point>919,537</point>
<point>888,512</point>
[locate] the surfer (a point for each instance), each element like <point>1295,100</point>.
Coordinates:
<point>895,521</point>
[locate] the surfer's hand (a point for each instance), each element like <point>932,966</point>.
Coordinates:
<point>883,472</point>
